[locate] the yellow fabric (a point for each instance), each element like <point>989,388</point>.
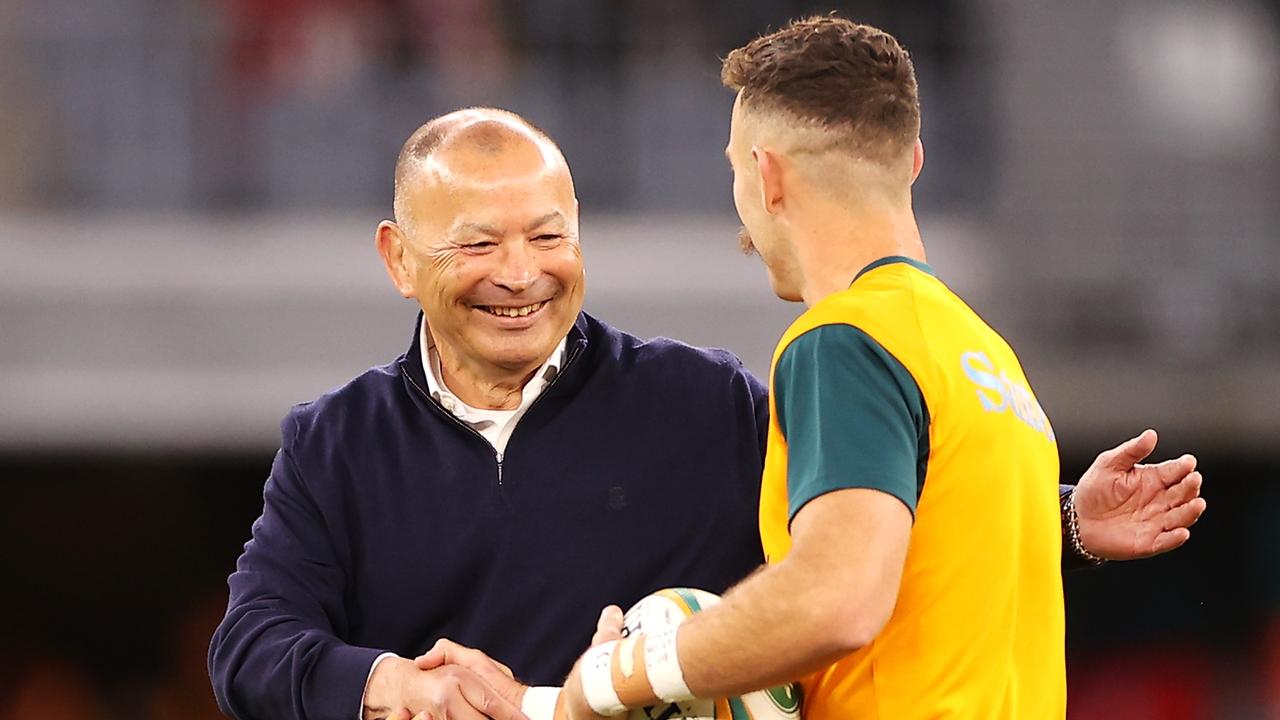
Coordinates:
<point>978,628</point>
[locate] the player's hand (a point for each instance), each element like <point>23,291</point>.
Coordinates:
<point>450,692</point>
<point>493,673</point>
<point>1129,510</point>
<point>609,626</point>
<point>573,702</point>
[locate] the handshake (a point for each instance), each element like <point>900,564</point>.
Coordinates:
<point>460,683</point>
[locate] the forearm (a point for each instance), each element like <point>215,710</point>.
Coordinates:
<point>271,665</point>
<point>280,650</point>
<point>830,596</point>
<point>776,626</point>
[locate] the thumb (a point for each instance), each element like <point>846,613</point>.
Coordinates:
<point>432,659</point>
<point>609,626</point>
<point>1130,452</point>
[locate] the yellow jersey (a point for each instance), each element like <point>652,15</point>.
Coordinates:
<point>896,384</point>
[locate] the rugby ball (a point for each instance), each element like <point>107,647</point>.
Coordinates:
<point>670,607</point>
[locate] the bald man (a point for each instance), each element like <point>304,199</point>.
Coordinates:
<point>465,489</point>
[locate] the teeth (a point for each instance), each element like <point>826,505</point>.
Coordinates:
<point>512,311</point>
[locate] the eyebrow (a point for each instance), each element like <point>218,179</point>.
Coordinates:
<point>477,227</point>
<point>491,231</point>
<point>553,215</point>
<point>726,156</point>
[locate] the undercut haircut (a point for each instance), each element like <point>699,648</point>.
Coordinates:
<point>854,82</point>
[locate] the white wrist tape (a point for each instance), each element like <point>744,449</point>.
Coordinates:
<point>597,679</point>
<point>539,703</point>
<point>662,664</point>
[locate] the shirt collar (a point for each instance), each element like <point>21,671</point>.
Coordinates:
<point>917,264</point>
<point>437,389</point>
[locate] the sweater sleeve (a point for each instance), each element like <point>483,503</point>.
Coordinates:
<point>278,653</point>
<point>760,401</point>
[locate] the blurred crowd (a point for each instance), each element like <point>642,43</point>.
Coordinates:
<point>269,104</point>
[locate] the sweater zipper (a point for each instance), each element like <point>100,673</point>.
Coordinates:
<point>497,456</point>
<point>573,355</point>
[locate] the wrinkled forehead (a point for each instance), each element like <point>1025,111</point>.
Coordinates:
<point>503,191</point>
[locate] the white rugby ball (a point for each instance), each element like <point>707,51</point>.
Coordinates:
<point>670,607</point>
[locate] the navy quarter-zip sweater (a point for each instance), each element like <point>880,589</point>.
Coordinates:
<point>387,523</point>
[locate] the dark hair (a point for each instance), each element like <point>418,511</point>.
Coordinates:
<point>853,80</point>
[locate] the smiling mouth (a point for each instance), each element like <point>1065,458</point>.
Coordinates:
<point>502,311</point>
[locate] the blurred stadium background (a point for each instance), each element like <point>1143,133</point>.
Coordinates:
<point>188,191</point>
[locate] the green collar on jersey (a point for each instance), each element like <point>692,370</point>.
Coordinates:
<point>922,267</point>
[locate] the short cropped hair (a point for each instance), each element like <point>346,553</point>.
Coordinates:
<point>853,81</point>
<point>490,135</point>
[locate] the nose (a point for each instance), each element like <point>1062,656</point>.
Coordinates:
<point>517,268</point>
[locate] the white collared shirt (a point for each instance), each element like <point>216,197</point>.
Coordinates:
<point>495,426</point>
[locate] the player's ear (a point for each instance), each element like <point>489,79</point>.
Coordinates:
<point>391,242</point>
<point>771,192</point>
<point>917,160</point>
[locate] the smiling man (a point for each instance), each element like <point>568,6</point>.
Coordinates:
<point>464,489</point>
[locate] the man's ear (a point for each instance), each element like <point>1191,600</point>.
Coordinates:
<point>391,243</point>
<point>917,160</point>
<point>771,190</point>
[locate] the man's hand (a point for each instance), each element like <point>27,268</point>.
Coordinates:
<point>1128,511</point>
<point>494,673</point>
<point>573,701</point>
<point>399,690</point>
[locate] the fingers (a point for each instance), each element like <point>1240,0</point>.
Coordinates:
<point>1183,491</point>
<point>1170,540</point>
<point>481,697</point>
<point>1130,452</point>
<point>1170,472</point>
<point>609,627</point>
<point>446,651</point>
<point>496,675</point>
<point>455,693</point>
<point>431,659</point>
<point>1185,515</point>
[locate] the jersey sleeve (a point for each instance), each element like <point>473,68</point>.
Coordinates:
<point>852,416</point>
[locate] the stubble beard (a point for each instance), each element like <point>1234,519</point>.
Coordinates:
<point>744,241</point>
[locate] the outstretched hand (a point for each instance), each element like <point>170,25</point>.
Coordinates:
<point>1128,510</point>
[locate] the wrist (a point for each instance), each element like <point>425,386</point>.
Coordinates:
<point>388,683</point>
<point>633,672</point>
<point>539,702</point>
<point>1072,535</point>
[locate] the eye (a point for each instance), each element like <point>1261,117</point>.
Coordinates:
<point>547,238</point>
<point>482,245</point>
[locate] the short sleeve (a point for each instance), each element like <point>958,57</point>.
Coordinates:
<point>852,416</point>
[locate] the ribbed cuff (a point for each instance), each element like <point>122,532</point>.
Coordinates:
<point>334,689</point>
